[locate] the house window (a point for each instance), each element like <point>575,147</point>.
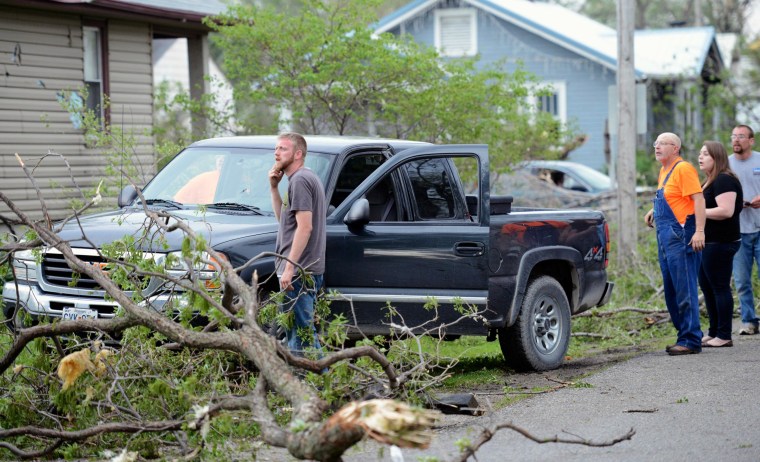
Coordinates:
<point>456,32</point>
<point>548,103</point>
<point>552,99</point>
<point>93,38</point>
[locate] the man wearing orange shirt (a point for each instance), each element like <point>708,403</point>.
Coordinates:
<point>679,217</point>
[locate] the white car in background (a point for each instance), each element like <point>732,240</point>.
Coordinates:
<point>556,183</point>
<point>569,175</point>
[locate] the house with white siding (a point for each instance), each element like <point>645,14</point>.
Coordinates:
<point>170,64</point>
<point>51,47</point>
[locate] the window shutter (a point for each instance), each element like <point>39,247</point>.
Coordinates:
<point>456,35</point>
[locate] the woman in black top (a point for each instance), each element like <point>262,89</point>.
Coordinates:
<point>723,203</point>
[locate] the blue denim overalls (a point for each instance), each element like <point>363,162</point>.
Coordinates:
<point>679,264</point>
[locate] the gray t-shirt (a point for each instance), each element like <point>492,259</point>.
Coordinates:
<point>305,193</point>
<point>748,172</point>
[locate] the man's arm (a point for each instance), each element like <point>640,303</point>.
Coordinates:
<point>300,240</point>
<point>649,218</point>
<point>274,180</point>
<point>698,240</point>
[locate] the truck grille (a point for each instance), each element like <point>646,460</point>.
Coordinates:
<point>56,271</point>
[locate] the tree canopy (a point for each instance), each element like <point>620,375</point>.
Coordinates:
<point>725,15</point>
<point>325,71</point>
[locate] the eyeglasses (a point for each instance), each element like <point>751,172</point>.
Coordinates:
<point>739,137</point>
<point>660,143</point>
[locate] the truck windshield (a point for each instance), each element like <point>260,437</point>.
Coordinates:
<point>202,176</point>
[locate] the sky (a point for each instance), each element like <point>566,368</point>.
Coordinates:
<point>753,20</point>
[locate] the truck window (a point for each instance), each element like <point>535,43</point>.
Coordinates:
<point>432,188</point>
<point>204,175</point>
<point>356,169</point>
<point>382,201</point>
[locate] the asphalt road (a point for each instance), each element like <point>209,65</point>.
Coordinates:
<point>700,407</point>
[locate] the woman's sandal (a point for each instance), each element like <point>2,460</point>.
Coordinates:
<point>718,343</point>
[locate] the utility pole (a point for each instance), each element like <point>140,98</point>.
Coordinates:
<point>698,13</point>
<point>625,168</point>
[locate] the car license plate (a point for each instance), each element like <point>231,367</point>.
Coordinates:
<point>72,314</point>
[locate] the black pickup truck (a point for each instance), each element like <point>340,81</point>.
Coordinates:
<point>403,228</point>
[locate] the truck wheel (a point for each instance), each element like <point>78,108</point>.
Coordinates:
<point>539,338</point>
<point>278,332</point>
<point>18,320</point>
<point>7,317</point>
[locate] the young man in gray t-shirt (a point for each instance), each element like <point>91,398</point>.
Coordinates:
<point>746,164</point>
<point>301,236</point>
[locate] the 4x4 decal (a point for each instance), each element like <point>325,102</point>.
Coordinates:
<point>595,253</point>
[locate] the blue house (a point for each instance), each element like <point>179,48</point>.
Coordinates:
<point>577,57</point>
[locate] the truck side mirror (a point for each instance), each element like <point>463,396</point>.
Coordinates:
<point>127,196</point>
<point>358,214</point>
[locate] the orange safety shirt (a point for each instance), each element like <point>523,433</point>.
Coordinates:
<point>682,184</point>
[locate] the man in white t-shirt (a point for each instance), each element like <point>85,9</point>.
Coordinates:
<point>746,164</point>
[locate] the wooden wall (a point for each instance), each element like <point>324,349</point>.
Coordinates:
<point>40,56</point>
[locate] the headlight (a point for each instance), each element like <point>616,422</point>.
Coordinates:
<point>208,268</point>
<point>24,266</point>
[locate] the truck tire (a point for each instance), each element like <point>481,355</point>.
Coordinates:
<point>538,340</point>
<point>18,319</point>
<point>8,319</point>
<point>278,332</point>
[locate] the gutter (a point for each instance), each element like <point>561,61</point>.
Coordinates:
<point>141,9</point>
<point>119,9</point>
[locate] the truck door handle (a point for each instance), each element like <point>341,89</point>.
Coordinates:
<point>469,249</point>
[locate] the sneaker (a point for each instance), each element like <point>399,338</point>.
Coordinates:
<point>749,329</point>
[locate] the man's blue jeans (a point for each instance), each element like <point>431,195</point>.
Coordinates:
<point>745,258</point>
<point>301,300</point>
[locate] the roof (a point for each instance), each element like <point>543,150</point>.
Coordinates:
<point>180,14</point>
<point>204,7</point>
<point>314,143</point>
<point>727,44</point>
<point>658,52</point>
<point>673,52</point>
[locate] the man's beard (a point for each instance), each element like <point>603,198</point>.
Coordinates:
<point>281,165</point>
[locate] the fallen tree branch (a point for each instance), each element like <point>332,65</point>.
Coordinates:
<point>61,436</point>
<point>607,313</point>
<point>32,454</point>
<point>590,335</point>
<point>25,336</point>
<point>487,434</point>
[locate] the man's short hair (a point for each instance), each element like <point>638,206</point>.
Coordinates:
<point>673,138</point>
<point>298,141</point>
